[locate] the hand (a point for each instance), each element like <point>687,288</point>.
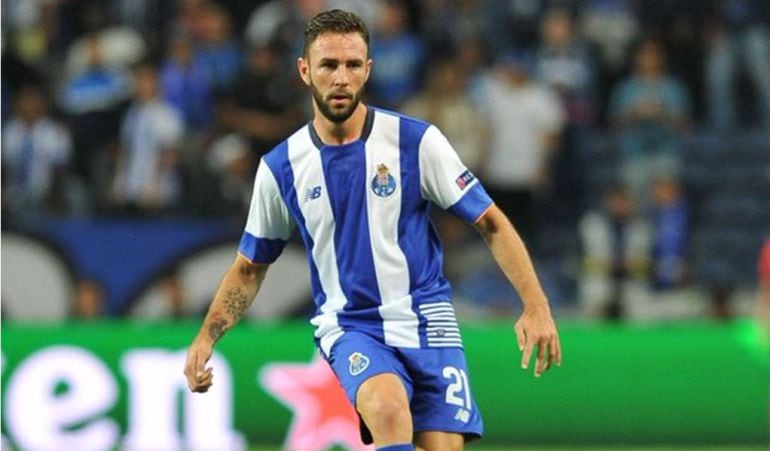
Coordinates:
<point>537,328</point>
<point>199,378</point>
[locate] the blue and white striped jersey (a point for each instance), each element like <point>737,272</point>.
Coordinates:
<point>362,210</point>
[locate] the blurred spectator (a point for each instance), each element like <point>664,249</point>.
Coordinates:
<point>189,18</point>
<point>218,53</point>
<point>36,153</point>
<point>147,176</point>
<point>16,73</point>
<point>88,302</point>
<point>398,57</point>
<point>446,25</point>
<point>611,27</point>
<point>120,47</point>
<point>509,24</point>
<point>669,217</point>
<point>649,110</point>
<point>151,18</point>
<point>32,23</point>
<point>282,22</point>
<point>263,104</point>
<point>616,254</point>
<point>185,84</point>
<point>524,120</point>
<point>233,165</point>
<point>445,104</point>
<point>93,99</point>
<point>762,311</point>
<point>741,35</point>
<point>368,11</point>
<point>564,63</point>
<point>680,29</point>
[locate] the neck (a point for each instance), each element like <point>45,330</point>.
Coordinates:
<point>334,133</point>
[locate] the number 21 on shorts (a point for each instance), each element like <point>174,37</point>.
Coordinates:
<point>458,392</point>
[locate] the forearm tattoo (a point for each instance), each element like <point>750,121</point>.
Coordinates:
<point>236,302</point>
<point>218,327</point>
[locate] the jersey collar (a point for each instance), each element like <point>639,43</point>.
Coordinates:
<point>368,122</point>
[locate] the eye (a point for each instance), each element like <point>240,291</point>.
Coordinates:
<point>328,65</point>
<point>355,64</point>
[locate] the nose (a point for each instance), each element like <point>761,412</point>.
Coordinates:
<point>342,76</point>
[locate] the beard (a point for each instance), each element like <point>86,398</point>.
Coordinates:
<point>336,115</point>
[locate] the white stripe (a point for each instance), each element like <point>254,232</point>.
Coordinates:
<point>305,161</point>
<point>434,305</point>
<point>437,310</point>
<point>447,315</point>
<point>442,323</point>
<point>444,341</point>
<point>445,345</point>
<point>328,339</point>
<point>400,323</point>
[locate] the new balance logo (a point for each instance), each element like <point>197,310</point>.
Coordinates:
<point>463,415</point>
<point>312,193</point>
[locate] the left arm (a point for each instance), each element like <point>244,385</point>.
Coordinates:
<point>535,327</point>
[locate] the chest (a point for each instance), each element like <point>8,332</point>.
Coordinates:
<point>347,184</point>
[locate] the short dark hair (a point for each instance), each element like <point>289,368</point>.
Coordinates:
<point>334,21</point>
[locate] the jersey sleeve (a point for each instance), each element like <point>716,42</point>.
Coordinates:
<point>269,223</point>
<point>445,181</point>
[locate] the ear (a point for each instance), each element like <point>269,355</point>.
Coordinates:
<point>369,63</point>
<point>303,67</point>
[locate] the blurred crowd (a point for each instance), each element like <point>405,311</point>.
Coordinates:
<point>579,116</point>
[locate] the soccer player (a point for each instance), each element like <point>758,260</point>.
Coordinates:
<point>357,182</point>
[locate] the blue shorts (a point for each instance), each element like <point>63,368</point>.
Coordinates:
<point>436,381</point>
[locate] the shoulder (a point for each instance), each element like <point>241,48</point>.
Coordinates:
<point>401,116</point>
<point>410,128</point>
<point>278,157</point>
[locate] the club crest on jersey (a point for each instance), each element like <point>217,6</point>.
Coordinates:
<point>358,363</point>
<point>383,184</point>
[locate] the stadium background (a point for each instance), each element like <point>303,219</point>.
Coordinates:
<point>645,221</point>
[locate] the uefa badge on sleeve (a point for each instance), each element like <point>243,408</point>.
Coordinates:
<point>383,183</point>
<point>358,363</point>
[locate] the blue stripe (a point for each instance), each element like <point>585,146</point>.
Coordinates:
<point>472,204</point>
<point>352,242</point>
<point>278,162</point>
<point>424,258</point>
<point>260,250</point>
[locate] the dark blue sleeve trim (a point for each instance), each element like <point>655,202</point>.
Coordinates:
<point>473,203</point>
<point>260,250</point>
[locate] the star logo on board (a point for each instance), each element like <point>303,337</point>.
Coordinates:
<point>323,416</point>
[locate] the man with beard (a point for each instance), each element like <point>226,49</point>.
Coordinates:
<point>357,182</point>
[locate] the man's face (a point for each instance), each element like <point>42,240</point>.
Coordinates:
<point>336,68</point>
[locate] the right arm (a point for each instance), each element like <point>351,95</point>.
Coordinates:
<point>235,294</point>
